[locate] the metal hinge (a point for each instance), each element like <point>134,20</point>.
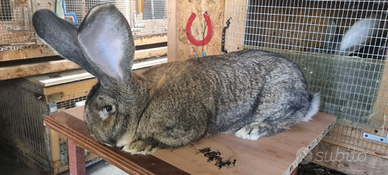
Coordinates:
<point>53,107</point>
<point>63,153</point>
<point>375,138</point>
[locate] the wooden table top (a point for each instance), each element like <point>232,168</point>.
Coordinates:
<point>278,154</point>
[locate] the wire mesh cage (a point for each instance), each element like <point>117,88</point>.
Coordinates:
<point>146,17</point>
<point>15,26</point>
<point>341,47</point>
<point>27,101</point>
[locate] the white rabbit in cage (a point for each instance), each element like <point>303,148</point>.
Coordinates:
<point>355,38</point>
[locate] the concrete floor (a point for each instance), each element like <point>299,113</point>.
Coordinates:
<point>101,168</point>
<point>10,165</point>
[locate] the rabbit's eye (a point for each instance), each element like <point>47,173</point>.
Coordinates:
<point>108,109</point>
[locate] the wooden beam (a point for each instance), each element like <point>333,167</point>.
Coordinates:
<point>379,118</point>
<point>36,69</point>
<point>150,39</point>
<point>55,152</point>
<point>149,53</point>
<point>34,51</point>
<point>171,32</point>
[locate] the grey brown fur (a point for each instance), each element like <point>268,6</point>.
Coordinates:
<point>253,93</point>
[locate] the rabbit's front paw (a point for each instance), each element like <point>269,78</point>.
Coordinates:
<point>139,147</point>
<point>253,131</point>
<point>256,130</point>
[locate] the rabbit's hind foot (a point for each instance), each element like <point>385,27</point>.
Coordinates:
<point>256,130</point>
<point>139,147</point>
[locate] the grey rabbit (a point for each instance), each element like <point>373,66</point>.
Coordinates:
<point>252,93</point>
<point>355,38</point>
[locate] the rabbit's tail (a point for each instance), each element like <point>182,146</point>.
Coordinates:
<point>313,108</point>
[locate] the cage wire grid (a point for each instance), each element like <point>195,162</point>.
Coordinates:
<point>146,17</point>
<point>339,45</point>
<point>70,101</point>
<point>15,27</point>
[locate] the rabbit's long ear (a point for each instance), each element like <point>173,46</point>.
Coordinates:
<point>358,35</point>
<point>106,39</point>
<point>61,36</point>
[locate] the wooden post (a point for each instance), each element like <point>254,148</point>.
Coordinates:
<point>76,159</point>
<point>379,118</point>
<point>171,32</point>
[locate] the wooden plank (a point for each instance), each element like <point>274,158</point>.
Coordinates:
<point>149,63</point>
<point>149,53</point>
<point>171,32</point>
<point>57,78</point>
<point>55,140</point>
<point>268,155</point>
<point>184,9</point>
<point>53,79</point>
<point>348,160</point>
<point>279,154</point>
<point>76,130</point>
<point>69,91</point>
<point>55,152</point>
<point>150,39</point>
<point>35,69</point>
<point>34,51</point>
<point>380,117</point>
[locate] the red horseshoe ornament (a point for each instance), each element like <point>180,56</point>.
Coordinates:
<point>209,30</point>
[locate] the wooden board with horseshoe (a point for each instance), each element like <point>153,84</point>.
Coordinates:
<point>180,47</point>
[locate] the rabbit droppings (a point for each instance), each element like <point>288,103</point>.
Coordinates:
<point>252,93</point>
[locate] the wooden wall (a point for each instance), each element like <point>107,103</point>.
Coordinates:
<point>179,11</point>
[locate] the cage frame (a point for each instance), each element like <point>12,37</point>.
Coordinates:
<point>342,137</point>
